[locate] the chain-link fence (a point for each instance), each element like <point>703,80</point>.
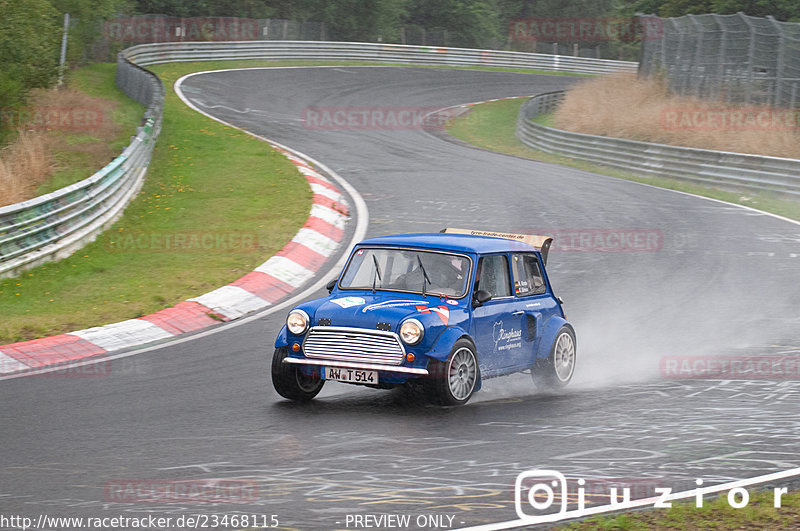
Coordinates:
<point>718,169</point>
<point>122,32</point>
<point>730,58</point>
<point>54,225</point>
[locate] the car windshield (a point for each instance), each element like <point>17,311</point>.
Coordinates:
<point>409,270</point>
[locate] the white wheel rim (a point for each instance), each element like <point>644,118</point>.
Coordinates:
<point>462,374</point>
<point>564,357</point>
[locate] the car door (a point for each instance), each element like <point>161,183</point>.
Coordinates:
<point>497,324</point>
<point>533,300</point>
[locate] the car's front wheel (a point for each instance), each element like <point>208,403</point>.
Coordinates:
<point>452,382</point>
<point>290,382</point>
<point>556,370</point>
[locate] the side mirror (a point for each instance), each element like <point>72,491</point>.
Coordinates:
<point>560,300</point>
<point>481,296</point>
<point>330,285</point>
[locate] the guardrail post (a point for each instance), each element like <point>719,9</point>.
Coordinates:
<point>780,59</point>
<point>720,58</point>
<point>751,50</point>
<point>64,220</point>
<point>718,168</point>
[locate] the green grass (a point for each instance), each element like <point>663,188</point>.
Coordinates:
<point>544,119</point>
<point>255,63</point>
<point>716,513</point>
<point>97,81</point>
<point>491,126</point>
<point>205,178</point>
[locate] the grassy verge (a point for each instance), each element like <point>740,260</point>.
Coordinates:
<point>759,513</point>
<point>255,63</point>
<point>205,181</point>
<point>66,134</point>
<point>79,154</point>
<point>491,126</point>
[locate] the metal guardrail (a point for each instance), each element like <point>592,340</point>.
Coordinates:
<point>148,54</point>
<point>53,226</point>
<point>717,168</point>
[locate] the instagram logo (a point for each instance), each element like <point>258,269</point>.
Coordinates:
<point>541,489</point>
<point>545,494</point>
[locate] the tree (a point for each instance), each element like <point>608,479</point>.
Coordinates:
<point>29,37</point>
<point>469,23</point>
<point>362,20</point>
<point>207,8</point>
<point>678,8</point>
<point>86,22</point>
<point>780,9</point>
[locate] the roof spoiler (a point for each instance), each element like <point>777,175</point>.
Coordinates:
<point>540,242</point>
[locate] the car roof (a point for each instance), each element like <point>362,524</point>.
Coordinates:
<point>465,243</point>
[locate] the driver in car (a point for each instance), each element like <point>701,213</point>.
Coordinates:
<point>440,273</point>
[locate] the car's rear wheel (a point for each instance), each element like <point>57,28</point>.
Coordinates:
<point>452,382</point>
<point>290,382</point>
<point>557,369</point>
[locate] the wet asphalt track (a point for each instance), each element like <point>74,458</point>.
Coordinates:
<point>725,281</point>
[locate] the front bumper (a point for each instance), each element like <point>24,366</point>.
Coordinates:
<point>358,365</point>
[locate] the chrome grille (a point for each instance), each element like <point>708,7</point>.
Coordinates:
<point>354,344</point>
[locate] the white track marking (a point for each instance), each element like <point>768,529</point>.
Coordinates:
<point>9,364</point>
<point>231,302</point>
<point>591,511</point>
<point>316,242</point>
<point>286,270</point>
<point>121,335</point>
<point>360,231</point>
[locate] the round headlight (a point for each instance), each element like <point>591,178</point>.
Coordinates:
<point>412,331</point>
<point>297,322</point>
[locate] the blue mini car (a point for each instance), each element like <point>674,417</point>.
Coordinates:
<point>443,311</point>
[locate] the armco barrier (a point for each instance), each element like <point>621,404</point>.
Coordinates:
<point>148,54</point>
<point>716,168</point>
<point>53,226</point>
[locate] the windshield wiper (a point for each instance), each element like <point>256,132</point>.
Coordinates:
<point>377,273</point>
<point>424,275</point>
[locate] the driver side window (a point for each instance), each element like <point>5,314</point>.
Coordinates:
<point>493,276</point>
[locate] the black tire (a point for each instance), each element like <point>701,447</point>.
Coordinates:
<point>557,369</point>
<point>452,382</point>
<point>290,382</point>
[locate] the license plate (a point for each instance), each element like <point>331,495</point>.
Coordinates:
<point>350,375</point>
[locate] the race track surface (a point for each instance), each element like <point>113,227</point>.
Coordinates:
<point>722,280</point>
